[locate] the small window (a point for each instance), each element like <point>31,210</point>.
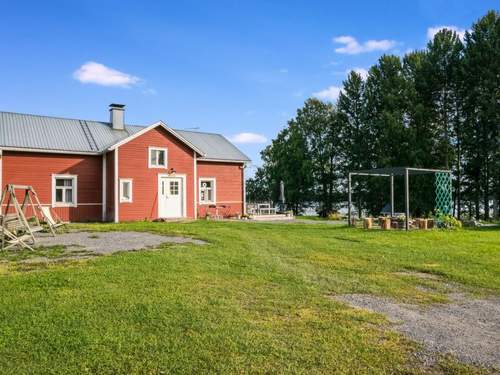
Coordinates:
<point>157,157</point>
<point>174,187</point>
<point>64,190</point>
<point>125,190</point>
<point>207,190</point>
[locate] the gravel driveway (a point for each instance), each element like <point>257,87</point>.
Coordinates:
<point>469,329</point>
<point>103,243</point>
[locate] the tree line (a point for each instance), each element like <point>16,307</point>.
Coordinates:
<point>434,108</point>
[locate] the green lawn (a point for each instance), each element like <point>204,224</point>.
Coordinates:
<point>256,299</point>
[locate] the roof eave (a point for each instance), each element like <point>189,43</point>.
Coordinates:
<point>215,160</point>
<point>49,151</point>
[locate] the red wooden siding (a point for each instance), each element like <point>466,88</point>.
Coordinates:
<point>229,186</point>
<point>133,163</point>
<point>36,169</point>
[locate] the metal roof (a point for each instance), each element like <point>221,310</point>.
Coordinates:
<point>215,146</point>
<point>46,133</point>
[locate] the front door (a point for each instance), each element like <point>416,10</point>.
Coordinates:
<point>170,193</point>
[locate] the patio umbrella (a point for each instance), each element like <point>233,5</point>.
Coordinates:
<point>282,193</point>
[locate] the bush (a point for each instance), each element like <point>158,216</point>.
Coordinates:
<point>334,215</point>
<point>447,221</point>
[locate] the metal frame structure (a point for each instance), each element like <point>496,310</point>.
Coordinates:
<point>391,172</point>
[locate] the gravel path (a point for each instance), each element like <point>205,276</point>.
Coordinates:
<point>103,243</point>
<point>469,329</point>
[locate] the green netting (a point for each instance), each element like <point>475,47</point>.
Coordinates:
<point>444,201</point>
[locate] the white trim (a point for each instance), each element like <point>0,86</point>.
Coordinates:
<point>27,149</point>
<point>224,161</point>
<point>74,187</point>
<point>117,207</point>
<point>79,204</point>
<point>122,199</point>
<point>195,183</point>
<point>154,148</point>
<point>244,191</point>
<point>152,126</point>
<point>214,190</point>
<point>184,192</point>
<point>104,186</point>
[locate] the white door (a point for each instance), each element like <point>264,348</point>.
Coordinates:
<point>170,195</point>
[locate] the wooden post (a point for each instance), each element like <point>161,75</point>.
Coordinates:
<point>349,202</point>
<point>407,199</point>
<point>392,195</point>
<point>367,223</point>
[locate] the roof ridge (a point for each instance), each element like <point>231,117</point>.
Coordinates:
<point>198,132</point>
<point>67,118</point>
<point>55,117</point>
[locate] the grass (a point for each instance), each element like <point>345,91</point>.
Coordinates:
<point>312,217</point>
<point>256,299</point>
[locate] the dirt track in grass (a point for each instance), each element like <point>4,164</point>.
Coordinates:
<point>469,329</point>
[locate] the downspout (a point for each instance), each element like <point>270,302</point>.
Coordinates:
<point>117,210</point>
<point>244,190</point>
<point>195,183</point>
<point>104,186</point>
<point>1,170</point>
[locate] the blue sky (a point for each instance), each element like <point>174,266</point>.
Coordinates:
<point>232,67</point>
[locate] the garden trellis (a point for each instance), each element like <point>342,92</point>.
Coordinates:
<point>444,200</point>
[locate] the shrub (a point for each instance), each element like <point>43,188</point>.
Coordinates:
<point>334,215</point>
<point>447,221</point>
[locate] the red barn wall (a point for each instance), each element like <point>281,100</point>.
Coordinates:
<point>36,169</point>
<point>229,187</point>
<point>133,163</point>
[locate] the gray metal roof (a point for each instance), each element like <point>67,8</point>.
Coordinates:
<point>37,132</point>
<point>215,146</point>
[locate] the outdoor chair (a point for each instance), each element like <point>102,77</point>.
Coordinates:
<point>52,222</point>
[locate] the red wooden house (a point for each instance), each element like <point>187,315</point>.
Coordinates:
<point>110,171</point>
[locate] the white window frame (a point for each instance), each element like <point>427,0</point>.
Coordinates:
<point>214,190</point>
<point>74,177</point>
<point>122,198</point>
<point>152,148</point>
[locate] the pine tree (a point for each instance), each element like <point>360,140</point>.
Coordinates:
<point>481,93</point>
<point>441,68</point>
<point>355,145</point>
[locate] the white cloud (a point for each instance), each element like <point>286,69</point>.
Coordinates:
<point>431,31</point>
<point>353,47</point>
<point>99,74</point>
<point>284,70</point>
<point>361,71</point>
<point>248,138</point>
<point>331,93</point>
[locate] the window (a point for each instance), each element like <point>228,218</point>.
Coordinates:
<point>126,190</point>
<point>157,157</point>
<point>174,187</point>
<point>64,190</point>
<point>207,190</point>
